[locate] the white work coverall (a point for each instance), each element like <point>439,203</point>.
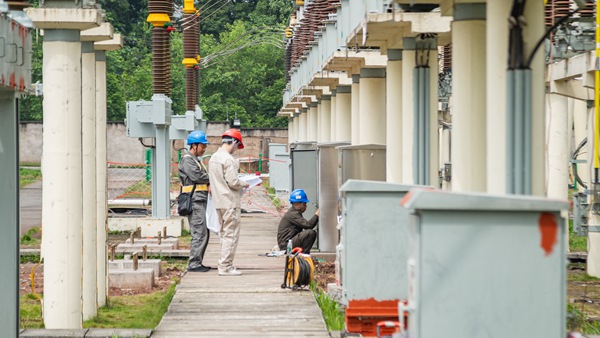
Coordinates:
<point>226,187</point>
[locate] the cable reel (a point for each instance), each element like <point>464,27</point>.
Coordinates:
<point>299,270</point>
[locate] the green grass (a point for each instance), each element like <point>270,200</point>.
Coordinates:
<point>140,189</point>
<point>30,259</point>
<point>272,195</point>
<point>30,239</point>
<point>30,312</point>
<point>576,243</point>
<point>577,321</point>
<point>581,277</point>
<point>332,313</point>
<point>137,311</point>
<point>28,176</point>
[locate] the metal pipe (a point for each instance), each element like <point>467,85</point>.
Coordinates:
<point>527,135</point>
<point>127,202</point>
<point>510,131</point>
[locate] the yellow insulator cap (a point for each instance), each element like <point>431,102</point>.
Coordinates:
<point>189,62</point>
<point>198,58</point>
<point>158,19</point>
<point>188,7</point>
<point>300,2</point>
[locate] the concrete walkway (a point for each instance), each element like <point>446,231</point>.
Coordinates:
<point>251,305</point>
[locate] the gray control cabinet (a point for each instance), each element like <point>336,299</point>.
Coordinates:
<point>486,266</point>
<point>305,172</point>
<point>362,162</point>
<point>374,241</point>
<point>328,195</point>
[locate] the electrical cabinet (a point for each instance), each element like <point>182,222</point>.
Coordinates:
<point>362,162</point>
<point>486,266</point>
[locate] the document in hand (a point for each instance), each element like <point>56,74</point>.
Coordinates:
<point>252,180</point>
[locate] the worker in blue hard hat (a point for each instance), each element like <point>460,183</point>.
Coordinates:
<point>194,179</point>
<point>293,226</point>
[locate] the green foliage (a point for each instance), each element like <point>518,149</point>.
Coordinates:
<point>333,315</point>
<point>30,237</point>
<point>30,312</point>
<point>577,321</point>
<point>35,258</point>
<point>576,243</point>
<point>28,176</point>
<point>137,311</point>
<point>249,83</point>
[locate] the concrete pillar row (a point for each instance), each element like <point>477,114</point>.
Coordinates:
<point>372,106</point>
<point>312,127</point>
<point>355,110</point>
<point>62,191</point>
<point>101,179</point>
<point>408,151</point>
<point>558,147</point>
<point>394,116</point>
<point>325,119</point>
<point>469,98</point>
<point>88,126</point>
<point>303,135</point>
<point>343,126</point>
<point>333,120</point>
<point>496,63</point>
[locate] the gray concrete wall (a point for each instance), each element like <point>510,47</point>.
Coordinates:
<point>122,149</point>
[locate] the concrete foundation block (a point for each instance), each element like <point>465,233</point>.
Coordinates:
<point>56,333</point>
<point>154,241</point>
<point>121,333</point>
<point>129,279</point>
<point>150,226</point>
<point>139,247</point>
<point>122,264</point>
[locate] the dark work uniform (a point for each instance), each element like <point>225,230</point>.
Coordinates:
<point>193,172</point>
<point>295,227</point>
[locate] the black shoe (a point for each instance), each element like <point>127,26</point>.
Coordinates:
<point>199,269</point>
<point>204,266</point>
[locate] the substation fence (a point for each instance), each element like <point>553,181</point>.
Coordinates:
<point>134,181</point>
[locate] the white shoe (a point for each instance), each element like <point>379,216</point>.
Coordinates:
<point>230,272</point>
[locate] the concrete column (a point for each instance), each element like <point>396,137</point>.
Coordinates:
<point>372,106</point>
<point>302,135</point>
<point>580,127</point>
<point>101,179</point>
<point>558,147</point>
<point>343,127</point>
<point>407,118</point>
<point>297,126</point>
<point>316,122</point>
<point>9,209</point>
<point>88,130</point>
<point>62,185</point>
<point>394,116</point>
<point>469,98</point>
<point>312,127</point>
<point>355,110</point>
<point>496,62</point>
<point>291,130</point>
<point>333,120</point>
<point>534,12</point>
<point>325,119</point>
<point>593,258</point>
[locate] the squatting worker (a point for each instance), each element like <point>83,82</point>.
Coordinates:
<point>193,172</point>
<point>226,190</point>
<point>295,227</point>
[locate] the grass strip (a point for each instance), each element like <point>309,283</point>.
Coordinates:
<point>28,176</point>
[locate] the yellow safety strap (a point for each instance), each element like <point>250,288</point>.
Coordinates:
<point>190,188</point>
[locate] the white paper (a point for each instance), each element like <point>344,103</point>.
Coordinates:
<point>212,219</point>
<point>252,180</point>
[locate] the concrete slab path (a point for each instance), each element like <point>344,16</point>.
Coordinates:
<point>251,305</point>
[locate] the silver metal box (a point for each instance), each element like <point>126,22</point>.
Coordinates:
<point>304,172</point>
<point>181,126</point>
<point>328,195</point>
<point>279,172</point>
<point>135,113</point>
<point>362,162</point>
<point>15,54</point>
<point>486,266</point>
<point>374,240</point>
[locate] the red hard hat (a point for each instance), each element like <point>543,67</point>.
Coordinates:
<point>236,135</point>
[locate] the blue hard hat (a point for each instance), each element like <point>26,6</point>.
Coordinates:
<point>298,196</point>
<point>197,136</point>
